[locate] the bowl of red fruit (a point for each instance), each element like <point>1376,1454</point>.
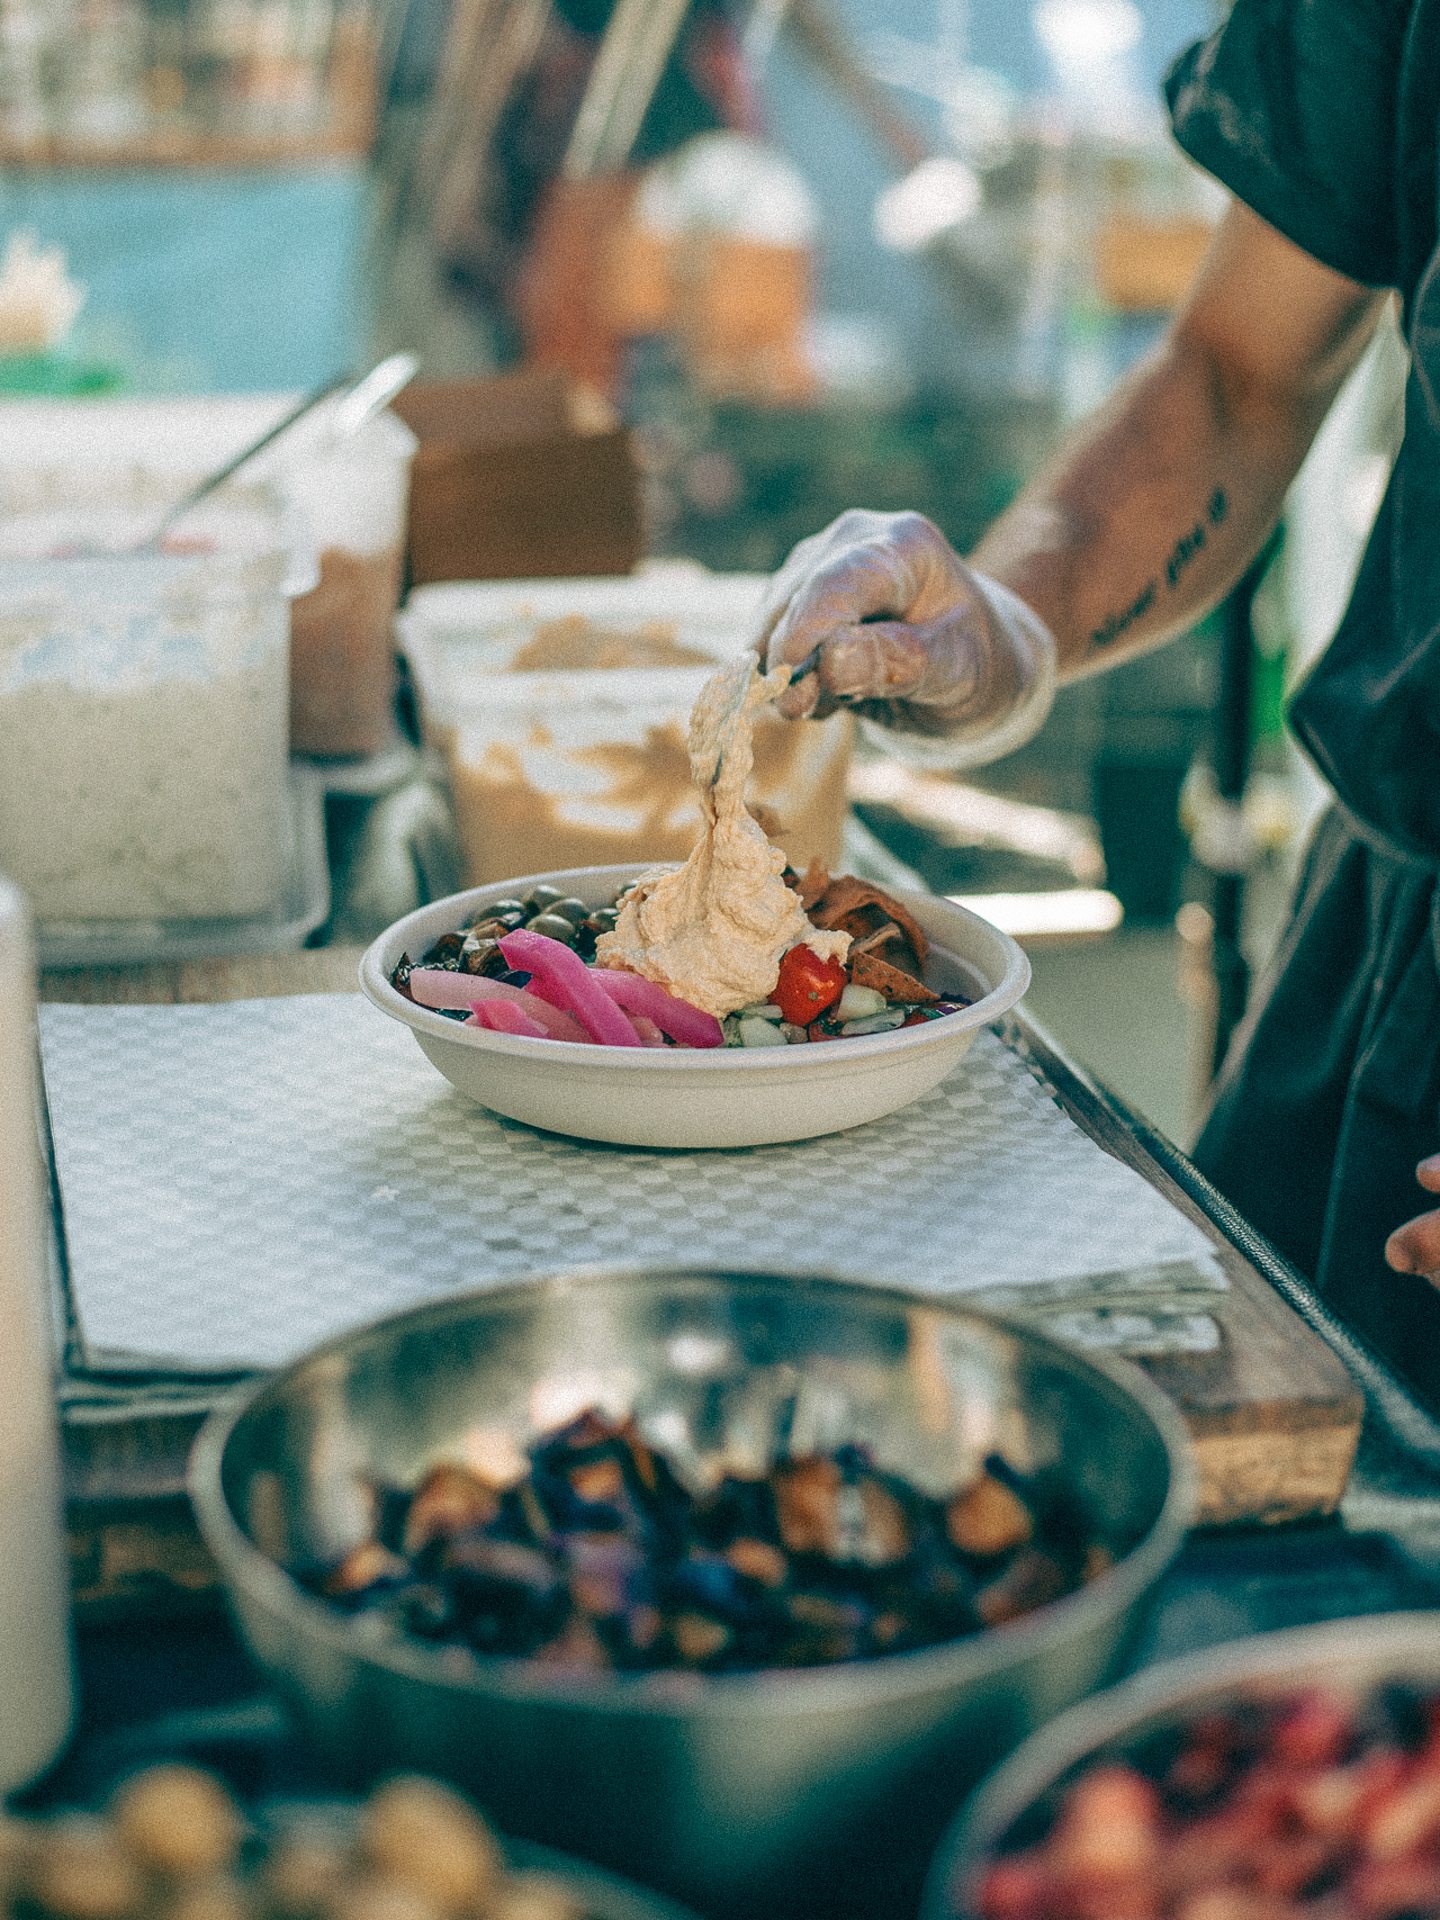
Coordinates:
<point>1292,1776</point>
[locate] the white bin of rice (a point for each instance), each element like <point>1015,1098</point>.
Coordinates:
<point>562,708</point>
<point>144,739</point>
<point>351,499</point>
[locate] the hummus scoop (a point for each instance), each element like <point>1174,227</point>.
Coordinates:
<point>713,932</point>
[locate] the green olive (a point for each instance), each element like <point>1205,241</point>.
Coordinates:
<point>543,897</point>
<point>498,908</point>
<point>602,920</point>
<point>574,910</point>
<point>554,926</point>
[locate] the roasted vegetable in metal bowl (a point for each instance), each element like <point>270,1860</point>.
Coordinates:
<point>590,1551</point>
<point>750,1791</point>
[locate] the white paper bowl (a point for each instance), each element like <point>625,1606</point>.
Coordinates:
<point>684,1098</point>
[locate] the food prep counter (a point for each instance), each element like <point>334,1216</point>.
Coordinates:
<point>1274,1405</point>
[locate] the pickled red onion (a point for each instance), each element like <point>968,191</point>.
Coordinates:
<point>686,1025</point>
<point>560,976</point>
<point>555,1024</point>
<point>437,987</point>
<point>503,1016</point>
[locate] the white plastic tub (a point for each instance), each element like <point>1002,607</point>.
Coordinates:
<point>569,768</point>
<point>352,501</point>
<point>143,698</point>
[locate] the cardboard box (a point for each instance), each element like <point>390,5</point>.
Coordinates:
<point>520,478</point>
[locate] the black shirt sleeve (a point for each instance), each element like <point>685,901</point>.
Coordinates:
<point>1293,105</point>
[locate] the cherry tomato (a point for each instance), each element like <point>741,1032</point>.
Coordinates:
<point>807,985</point>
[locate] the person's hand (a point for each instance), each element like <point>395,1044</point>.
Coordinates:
<point>908,635</point>
<point>1415,1247</point>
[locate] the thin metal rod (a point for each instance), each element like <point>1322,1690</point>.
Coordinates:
<point>1231,755</point>
<point>363,398</point>
<point>627,70</point>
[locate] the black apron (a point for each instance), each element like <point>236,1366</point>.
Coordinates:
<point>1322,116</point>
<point>1332,1091</point>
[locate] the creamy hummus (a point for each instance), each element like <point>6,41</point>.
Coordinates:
<point>713,931</point>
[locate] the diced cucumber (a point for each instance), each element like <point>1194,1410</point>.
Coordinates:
<point>760,1033</point>
<point>858,1003</point>
<point>878,1023</point>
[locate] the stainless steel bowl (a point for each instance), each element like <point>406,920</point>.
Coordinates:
<point>1015,1806</point>
<point>780,1791</point>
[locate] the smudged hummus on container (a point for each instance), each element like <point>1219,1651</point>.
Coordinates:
<point>714,931</point>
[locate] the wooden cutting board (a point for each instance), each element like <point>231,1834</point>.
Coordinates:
<point>1273,1412</point>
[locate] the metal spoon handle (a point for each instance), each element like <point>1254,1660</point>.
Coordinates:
<point>214,480</point>
<point>364,398</point>
<point>376,390</point>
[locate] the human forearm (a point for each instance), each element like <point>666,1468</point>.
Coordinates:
<point>1154,509</point>
<point>1147,516</point>
<point>1119,546</point>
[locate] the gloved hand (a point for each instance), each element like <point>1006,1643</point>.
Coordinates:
<point>909,637</point>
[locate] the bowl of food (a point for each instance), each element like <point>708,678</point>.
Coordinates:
<point>1295,1773</point>
<point>171,1838</point>
<point>730,1582</point>
<point>689,1096</point>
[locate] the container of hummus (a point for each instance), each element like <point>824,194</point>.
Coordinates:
<point>562,709</point>
<point>144,702</point>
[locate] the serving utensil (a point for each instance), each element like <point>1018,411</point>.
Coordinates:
<point>736,696</point>
<point>362,400</point>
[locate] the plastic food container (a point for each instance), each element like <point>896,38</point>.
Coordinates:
<point>564,754</point>
<point>143,702</point>
<point>352,500</point>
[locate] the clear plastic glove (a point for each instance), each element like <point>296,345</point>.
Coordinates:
<point>909,637</point>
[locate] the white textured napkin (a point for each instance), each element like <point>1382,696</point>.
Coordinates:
<point>240,1181</point>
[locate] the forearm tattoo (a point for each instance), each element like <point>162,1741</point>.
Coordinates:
<point>1187,546</point>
